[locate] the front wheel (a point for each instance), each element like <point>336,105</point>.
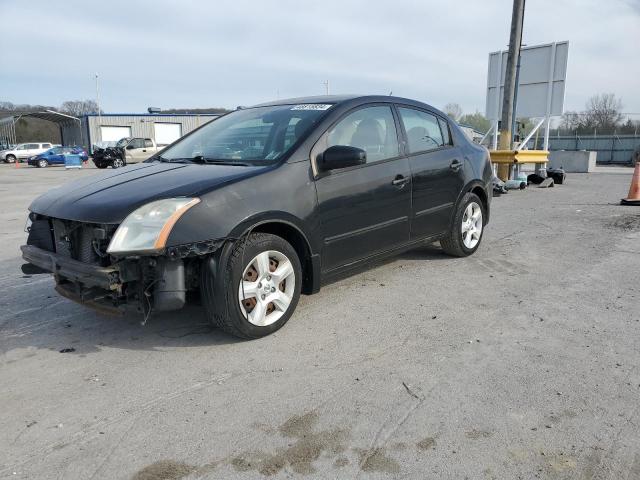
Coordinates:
<point>465,233</point>
<point>10,159</point>
<point>262,287</point>
<point>117,163</point>
<point>42,163</point>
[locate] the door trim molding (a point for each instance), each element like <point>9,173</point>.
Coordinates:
<point>367,229</point>
<point>433,209</point>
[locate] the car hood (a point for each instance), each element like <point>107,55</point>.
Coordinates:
<point>110,198</point>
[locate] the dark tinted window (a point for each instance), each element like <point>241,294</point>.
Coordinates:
<point>423,130</point>
<point>446,134</point>
<point>371,129</point>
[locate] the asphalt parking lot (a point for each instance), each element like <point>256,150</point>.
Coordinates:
<point>520,362</point>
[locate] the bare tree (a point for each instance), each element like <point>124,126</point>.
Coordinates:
<point>602,112</point>
<point>77,108</point>
<point>571,121</point>
<point>453,110</point>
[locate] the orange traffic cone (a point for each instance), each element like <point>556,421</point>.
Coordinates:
<point>16,163</point>
<point>634,190</point>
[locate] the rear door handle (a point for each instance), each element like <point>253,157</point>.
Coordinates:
<point>455,165</point>
<point>399,181</point>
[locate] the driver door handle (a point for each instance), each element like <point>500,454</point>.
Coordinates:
<point>400,181</point>
<point>455,165</point>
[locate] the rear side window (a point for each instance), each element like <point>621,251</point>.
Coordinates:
<point>372,129</point>
<point>423,130</point>
<point>148,142</point>
<point>446,134</point>
<point>46,145</point>
<point>32,146</point>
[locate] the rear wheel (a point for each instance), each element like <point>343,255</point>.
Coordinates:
<point>466,229</point>
<point>262,287</point>
<point>10,159</point>
<point>42,163</point>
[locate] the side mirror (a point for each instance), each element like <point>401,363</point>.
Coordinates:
<point>341,156</point>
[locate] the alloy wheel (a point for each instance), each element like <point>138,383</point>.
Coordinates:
<point>42,163</point>
<point>266,288</point>
<point>471,225</point>
<point>117,163</point>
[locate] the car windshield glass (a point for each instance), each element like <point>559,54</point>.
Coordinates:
<point>254,135</point>
<point>122,142</point>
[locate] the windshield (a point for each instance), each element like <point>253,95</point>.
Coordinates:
<point>123,141</point>
<point>255,135</point>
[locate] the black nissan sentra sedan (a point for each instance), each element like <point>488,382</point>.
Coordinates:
<point>261,205</point>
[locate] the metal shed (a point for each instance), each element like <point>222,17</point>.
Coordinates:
<point>163,128</point>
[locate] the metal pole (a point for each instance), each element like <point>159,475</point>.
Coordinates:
<point>517,19</point>
<point>98,101</point>
<point>494,144</point>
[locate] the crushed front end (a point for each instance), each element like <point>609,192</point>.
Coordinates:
<point>76,254</point>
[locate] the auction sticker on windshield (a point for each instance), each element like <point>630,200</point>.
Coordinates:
<point>312,106</point>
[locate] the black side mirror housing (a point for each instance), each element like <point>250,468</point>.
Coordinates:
<point>341,156</point>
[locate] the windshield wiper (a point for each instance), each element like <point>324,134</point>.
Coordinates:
<point>222,161</point>
<point>197,159</point>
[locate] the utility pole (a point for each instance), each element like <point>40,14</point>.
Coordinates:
<point>98,100</point>
<point>515,39</point>
<point>326,86</point>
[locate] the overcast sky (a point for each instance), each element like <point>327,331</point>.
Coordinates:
<point>179,53</point>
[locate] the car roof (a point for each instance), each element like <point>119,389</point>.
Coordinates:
<point>337,99</point>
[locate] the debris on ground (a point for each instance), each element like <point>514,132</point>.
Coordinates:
<point>68,350</point>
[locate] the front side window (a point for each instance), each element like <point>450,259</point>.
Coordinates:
<point>21,147</point>
<point>254,135</point>
<point>33,146</point>
<point>148,143</point>
<point>136,143</point>
<point>372,129</point>
<point>423,130</point>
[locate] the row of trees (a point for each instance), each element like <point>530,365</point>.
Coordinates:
<point>77,108</point>
<point>602,115</point>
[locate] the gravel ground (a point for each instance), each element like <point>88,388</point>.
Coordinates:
<point>520,362</point>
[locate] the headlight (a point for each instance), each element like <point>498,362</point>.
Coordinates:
<point>148,227</point>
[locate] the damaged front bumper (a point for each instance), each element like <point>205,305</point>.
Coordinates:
<point>107,278</point>
<point>136,283</point>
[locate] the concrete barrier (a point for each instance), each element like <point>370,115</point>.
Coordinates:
<point>581,161</point>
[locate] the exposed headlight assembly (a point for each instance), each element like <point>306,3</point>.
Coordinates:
<point>147,228</point>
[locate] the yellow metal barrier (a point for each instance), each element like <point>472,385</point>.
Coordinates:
<point>504,158</point>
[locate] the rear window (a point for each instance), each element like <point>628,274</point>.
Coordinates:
<point>423,130</point>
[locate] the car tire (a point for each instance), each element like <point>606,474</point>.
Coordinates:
<point>42,163</point>
<point>118,163</point>
<point>255,260</point>
<point>10,159</point>
<point>465,233</point>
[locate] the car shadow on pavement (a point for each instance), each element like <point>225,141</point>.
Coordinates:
<point>59,324</point>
